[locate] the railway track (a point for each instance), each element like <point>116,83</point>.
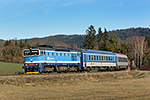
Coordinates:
<point>51,76</point>
<point>69,78</point>
<point>63,73</point>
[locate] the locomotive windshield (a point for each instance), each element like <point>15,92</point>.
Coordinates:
<point>31,52</point>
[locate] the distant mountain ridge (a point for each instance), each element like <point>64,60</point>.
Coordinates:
<point>76,40</point>
<point>125,33</point>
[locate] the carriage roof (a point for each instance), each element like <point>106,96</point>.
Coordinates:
<point>97,52</point>
<point>120,55</point>
<point>52,48</point>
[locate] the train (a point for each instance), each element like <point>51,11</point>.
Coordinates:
<point>45,58</point>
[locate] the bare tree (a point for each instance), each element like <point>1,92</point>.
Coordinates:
<point>138,48</point>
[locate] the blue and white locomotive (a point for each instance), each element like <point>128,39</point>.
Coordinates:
<point>46,58</point>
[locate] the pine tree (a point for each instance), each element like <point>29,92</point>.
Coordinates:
<point>16,43</point>
<point>148,39</point>
<point>105,39</point>
<point>26,44</point>
<point>146,57</point>
<point>111,45</point>
<point>7,43</point>
<point>100,41</point>
<point>21,44</point>
<point>90,38</point>
<point>125,49</point>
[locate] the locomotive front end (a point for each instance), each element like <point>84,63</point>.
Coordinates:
<point>31,57</point>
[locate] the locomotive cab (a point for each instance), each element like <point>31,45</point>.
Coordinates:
<point>30,56</point>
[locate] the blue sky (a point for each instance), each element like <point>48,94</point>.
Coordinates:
<point>22,19</point>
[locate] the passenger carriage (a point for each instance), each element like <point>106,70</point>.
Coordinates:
<point>99,60</point>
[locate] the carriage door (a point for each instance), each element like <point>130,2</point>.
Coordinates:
<point>85,60</point>
<point>44,56</point>
<point>43,59</point>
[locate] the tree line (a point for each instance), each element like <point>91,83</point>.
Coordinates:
<point>137,48</point>
<point>12,51</point>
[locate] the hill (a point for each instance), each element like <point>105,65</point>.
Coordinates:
<point>76,40</point>
<point>125,33</point>
<point>70,40</point>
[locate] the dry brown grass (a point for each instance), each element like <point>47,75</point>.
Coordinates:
<point>91,88</point>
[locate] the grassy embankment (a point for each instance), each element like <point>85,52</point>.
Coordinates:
<point>10,68</point>
<point>127,87</point>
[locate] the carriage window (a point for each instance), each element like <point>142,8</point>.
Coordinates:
<point>52,54</point>
<point>100,58</point>
<point>64,54</point>
<point>78,54</point>
<point>89,57</point>
<point>109,58</point>
<point>121,59</point>
<point>41,52</point>
<point>97,58</point>
<point>56,54</point>
<point>104,58</point>
<point>92,57</point>
<point>68,54</point>
<point>60,54</point>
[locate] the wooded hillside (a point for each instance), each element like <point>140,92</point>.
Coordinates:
<point>76,40</point>
<point>133,42</point>
<point>125,33</point>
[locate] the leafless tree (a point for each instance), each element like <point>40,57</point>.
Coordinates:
<point>138,48</point>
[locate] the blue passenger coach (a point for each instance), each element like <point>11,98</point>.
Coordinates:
<point>96,59</point>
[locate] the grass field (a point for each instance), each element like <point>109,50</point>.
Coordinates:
<point>117,89</point>
<point>10,68</point>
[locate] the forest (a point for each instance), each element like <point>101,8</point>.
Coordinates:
<point>133,42</point>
